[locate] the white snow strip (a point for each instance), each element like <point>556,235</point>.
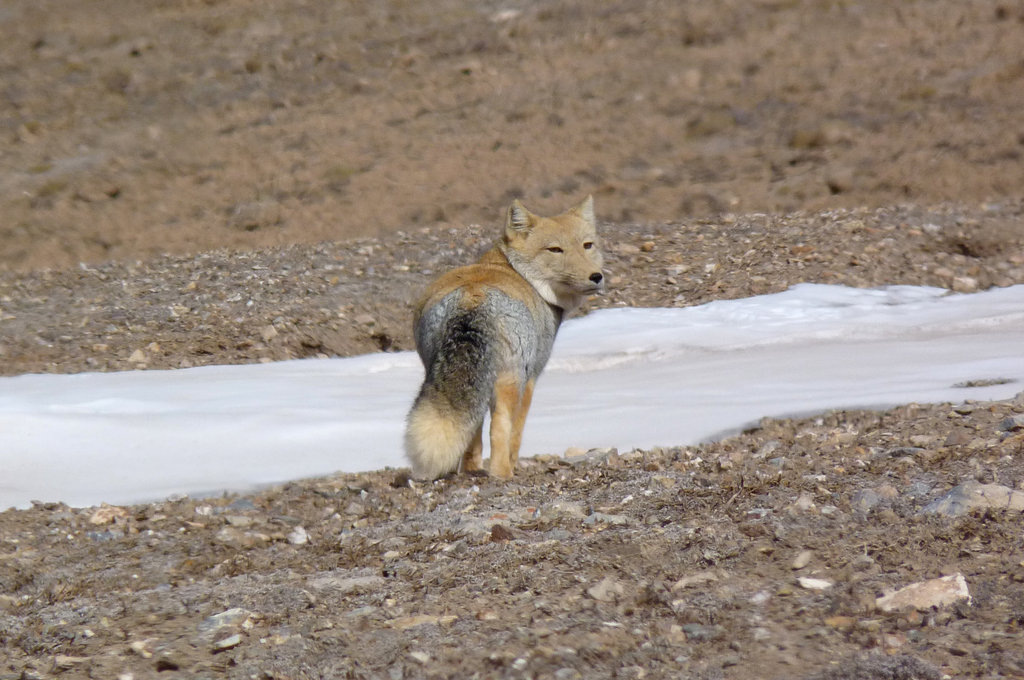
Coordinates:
<point>619,377</point>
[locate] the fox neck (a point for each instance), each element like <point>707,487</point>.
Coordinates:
<point>524,268</point>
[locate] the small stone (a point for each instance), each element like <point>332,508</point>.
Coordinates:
<point>229,642</point>
<point>696,632</point>
<point>568,509</point>
<point>421,657</point>
<point>268,333</point>
<point>700,578</point>
<point>602,518</point>
<point>235,538</point>
<point>235,617</point>
<point>937,592</point>
<point>105,514</point>
<point>140,648</point>
<point>366,320</point>
<point>64,662</point>
<point>298,536</point>
<point>864,500</point>
<point>804,502</point>
<point>814,583</point>
<point>341,583</point>
<point>406,622</point>
<point>1012,423</point>
<point>138,357</point>
<point>606,590</point>
<point>574,453</point>
<point>973,495</point>
<point>802,559</point>
<point>965,284</point>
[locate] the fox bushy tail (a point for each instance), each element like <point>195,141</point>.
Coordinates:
<point>454,399</point>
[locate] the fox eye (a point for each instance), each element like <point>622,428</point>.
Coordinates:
<point>554,249</point>
<point>588,245</point>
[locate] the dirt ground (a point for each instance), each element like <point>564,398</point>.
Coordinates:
<point>205,182</point>
<point>179,126</point>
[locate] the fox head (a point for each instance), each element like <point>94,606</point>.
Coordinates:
<point>560,256</point>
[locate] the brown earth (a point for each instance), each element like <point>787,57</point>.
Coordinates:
<point>252,181</point>
<point>185,125</point>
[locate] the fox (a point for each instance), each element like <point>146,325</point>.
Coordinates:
<point>484,333</point>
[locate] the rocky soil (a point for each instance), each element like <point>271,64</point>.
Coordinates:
<point>222,181</point>
<point>765,555</point>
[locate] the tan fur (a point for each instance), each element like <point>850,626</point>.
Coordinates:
<point>484,333</point>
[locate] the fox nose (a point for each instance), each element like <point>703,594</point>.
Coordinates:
<point>596,277</point>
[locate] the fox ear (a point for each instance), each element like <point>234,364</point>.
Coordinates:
<point>519,218</point>
<point>586,209</point>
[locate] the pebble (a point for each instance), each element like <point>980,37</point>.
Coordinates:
<point>227,643</point>
<point>700,578</point>
<point>973,495</point>
<point>814,583</point>
<point>140,648</point>
<point>240,521</point>
<point>606,590</point>
<point>365,320</point>
<point>802,559</point>
<point>298,536</point>
<point>937,592</point>
<point>342,584</point>
<point>575,455</point>
<point>236,616</point>
<point>603,518</point>
<point>106,514</point>
<point>696,632</point>
<point>64,662</point>
<point>235,538</point>
<point>865,499</point>
<point>965,284</point>
<point>406,622</point>
<point>1012,423</point>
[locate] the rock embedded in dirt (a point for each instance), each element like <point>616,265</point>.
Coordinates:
<point>925,595</point>
<point>973,495</point>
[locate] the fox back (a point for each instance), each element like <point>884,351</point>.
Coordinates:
<point>484,333</point>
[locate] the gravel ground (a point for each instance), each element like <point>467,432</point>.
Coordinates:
<point>760,556</point>
<point>339,299</point>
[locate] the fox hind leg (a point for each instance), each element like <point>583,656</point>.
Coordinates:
<point>506,402</point>
<point>473,458</point>
<point>519,421</point>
